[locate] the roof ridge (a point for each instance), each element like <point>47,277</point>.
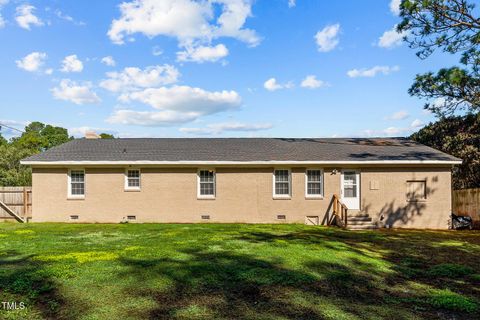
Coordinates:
<point>241,149</point>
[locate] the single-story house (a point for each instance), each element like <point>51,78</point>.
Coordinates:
<point>385,182</point>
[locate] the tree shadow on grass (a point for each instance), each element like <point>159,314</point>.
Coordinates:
<point>227,285</point>
<point>24,279</point>
<point>222,284</point>
<point>439,260</point>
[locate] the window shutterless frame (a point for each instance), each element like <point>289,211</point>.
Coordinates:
<point>206,184</point>
<point>416,190</point>
<point>76,184</point>
<point>282,183</point>
<point>314,183</point>
<point>133,179</point>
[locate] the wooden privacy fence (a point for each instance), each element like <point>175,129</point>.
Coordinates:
<point>466,202</point>
<point>17,199</point>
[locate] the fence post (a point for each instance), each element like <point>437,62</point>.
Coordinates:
<point>25,203</point>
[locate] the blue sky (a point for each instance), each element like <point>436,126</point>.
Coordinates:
<point>168,68</point>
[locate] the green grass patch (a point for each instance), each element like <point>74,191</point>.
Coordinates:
<point>450,270</point>
<point>449,300</point>
<point>236,271</point>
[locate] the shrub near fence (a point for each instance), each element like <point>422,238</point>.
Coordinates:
<point>466,202</point>
<point>19,199</point>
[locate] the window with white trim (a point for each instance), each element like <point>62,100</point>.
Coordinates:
<point>132,177</point>
<point>281,183</point>
<point>76,185</point>
<point>314,182</point>
<point>206,183</point>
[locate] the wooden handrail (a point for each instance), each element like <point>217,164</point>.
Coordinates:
<point>340,211</point>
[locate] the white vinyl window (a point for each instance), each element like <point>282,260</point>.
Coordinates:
<point>281,183</point>
<point>206,184</point>
<point>76,183</point>
<point>132,179</point>
<point>314,183</point>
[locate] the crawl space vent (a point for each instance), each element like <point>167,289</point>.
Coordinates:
<point>131,217</point>
<point>74,217</point>
<point>206,217</point>
<point>281,217</point>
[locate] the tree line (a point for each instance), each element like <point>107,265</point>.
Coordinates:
<point>35,138</point>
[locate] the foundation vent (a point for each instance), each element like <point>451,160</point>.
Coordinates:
<point>206,217</point>
<point>74,217</point>
<point>131,218</point>
<point>281,217</point>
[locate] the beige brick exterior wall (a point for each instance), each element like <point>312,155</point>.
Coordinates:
<point>242,195</point>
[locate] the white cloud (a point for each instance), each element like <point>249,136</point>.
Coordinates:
<point>133,78</point>
<point>175,105</point>
<point>69,90</point>
<point>395,6</point>
<point>390,132</point>
<point>79,132</point>
<point>25,17</point>
<point>156,51</point>
<point>400,115</point>
<point>32,62</point>
<point>372,72</point>
<point>219,128</point>
<point>2,21</point>
<point>185,99</point>
<point>187,20</point>
<point>68,18</point>
<point>395,131</point>
<point>72,64</point>
<point>327,38</point>
<point>109,61</point>
<point>151,118</point>
<point>272,85</point>
<point>417,123</point>
<point>49,71</point>
<point>292,3</point>
<point>391,38</point>
<point>312,82</point>
<point>202,54</point>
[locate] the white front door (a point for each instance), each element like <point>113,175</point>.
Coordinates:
<point>351,189</point>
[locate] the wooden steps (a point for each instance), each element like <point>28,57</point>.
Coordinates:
<point>361,221</point>
<point>351,220</point>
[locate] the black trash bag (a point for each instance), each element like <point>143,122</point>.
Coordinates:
<point>461,222</point>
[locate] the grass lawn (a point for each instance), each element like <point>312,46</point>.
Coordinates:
<point>215,271</point>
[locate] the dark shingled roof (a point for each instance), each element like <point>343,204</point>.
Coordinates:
<point>241,149</point>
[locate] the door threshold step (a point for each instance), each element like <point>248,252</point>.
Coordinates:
<point>360,219</point>
<point>360,223</point>
<point>358,215</point>
<point>362,227</point>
